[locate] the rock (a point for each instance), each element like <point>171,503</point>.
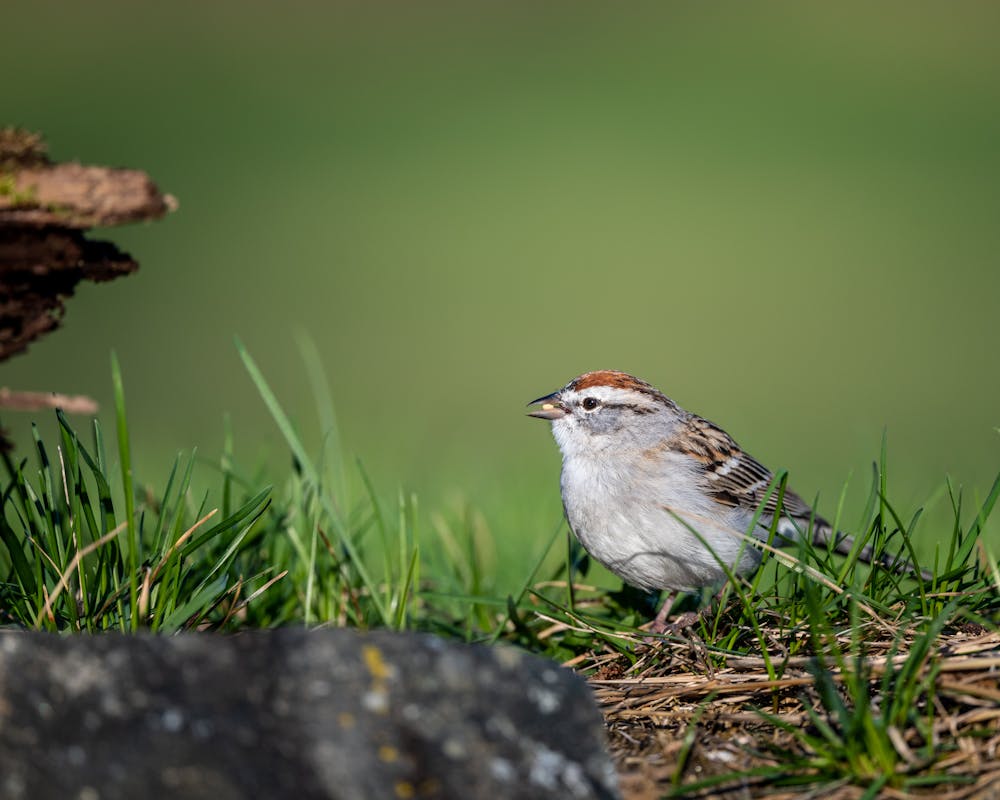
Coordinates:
<point>292,713</point>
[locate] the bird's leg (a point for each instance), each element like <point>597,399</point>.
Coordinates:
<point>659,623</point>
<point>660,626</point>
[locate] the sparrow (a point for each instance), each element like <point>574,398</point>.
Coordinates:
<point>664,498</point>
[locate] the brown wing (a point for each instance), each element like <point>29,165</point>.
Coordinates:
<point>733,477</point>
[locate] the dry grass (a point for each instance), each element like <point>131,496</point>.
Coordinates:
<point>681,717</point>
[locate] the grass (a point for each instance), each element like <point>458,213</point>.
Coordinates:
<point>76,559</point>
<point>818,673</point>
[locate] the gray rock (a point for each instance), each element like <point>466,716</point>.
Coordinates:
<point>292,713</point>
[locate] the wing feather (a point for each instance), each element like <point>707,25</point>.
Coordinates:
<point>733,477</point>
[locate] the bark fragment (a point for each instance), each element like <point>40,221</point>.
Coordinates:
<point>45,209</point>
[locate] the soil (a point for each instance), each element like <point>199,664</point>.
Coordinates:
<point>681,723</point>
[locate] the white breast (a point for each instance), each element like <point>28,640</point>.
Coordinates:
<point>649,522</point>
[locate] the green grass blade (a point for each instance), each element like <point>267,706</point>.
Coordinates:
<point>15,548</point>
<point>311,475</point>
<point>124,454</point>
<point>976,529</point>
<point>325,410</point>
<point>278,414</point>
<point>198,601</point>
<point>528,581</point>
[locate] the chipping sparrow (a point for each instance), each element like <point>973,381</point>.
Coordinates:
<point>659,495</point>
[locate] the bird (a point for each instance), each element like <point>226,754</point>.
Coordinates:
<point>662,497</point>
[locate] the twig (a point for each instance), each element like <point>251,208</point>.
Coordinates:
<point>37,401</point>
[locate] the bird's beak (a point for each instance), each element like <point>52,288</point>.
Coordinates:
<point>552,407</point>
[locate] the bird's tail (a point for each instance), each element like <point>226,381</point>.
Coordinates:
<point>823,535</point>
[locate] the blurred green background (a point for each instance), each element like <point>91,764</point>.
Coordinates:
<point>784,216</point>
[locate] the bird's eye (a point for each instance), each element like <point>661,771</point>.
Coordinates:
<point>590,403</point>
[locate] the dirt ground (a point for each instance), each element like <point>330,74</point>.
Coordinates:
<point>679,720</point>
